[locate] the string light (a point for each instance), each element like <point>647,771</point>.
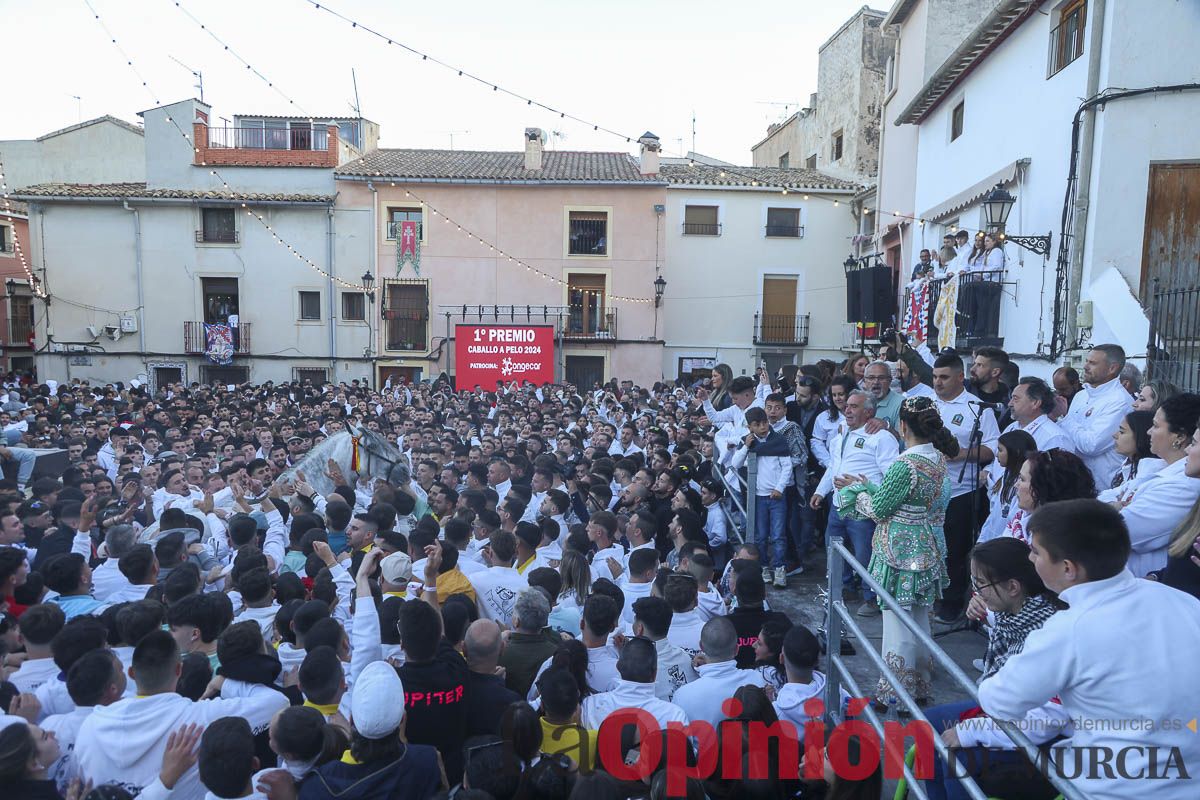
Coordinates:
<point>35,285</point>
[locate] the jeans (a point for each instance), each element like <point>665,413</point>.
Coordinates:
<point>26,460</point>
<point>857,534</point>
<point>770,522</point>
<point>993,768</point>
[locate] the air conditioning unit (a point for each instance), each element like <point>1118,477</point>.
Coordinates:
<point>113,332</point>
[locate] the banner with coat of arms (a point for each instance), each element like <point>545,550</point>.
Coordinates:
<point>218,344</point>
<point>408,246</point>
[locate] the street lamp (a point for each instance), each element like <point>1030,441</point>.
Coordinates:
<point>850,263</point>
<point>997,205</point>
<point>660,286</point>
<point>368,283</point>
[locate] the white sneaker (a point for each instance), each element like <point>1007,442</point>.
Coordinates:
<point>781,577</point>
<point>767,575</point>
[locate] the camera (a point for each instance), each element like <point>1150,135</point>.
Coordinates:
<point>889,337</point>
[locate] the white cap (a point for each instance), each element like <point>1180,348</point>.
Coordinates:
<point>396,568</point>
<point>377,704</point>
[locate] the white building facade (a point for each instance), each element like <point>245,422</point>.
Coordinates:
<point>135,270</point>
<point>753,274</point>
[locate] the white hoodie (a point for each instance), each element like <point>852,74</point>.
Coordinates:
<point>33,673</point>
<point>710,603</point>
<point>674,670</point>
<point>627,694</point>
<point>265,617</point>
<point>124,743</point>
<point>789,704</point>
<point>702,698</point>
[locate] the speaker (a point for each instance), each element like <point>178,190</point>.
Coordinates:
<point>876,304</point>
<point>854,282</point>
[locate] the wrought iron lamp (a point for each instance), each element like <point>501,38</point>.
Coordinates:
<point>997,204</point>
<point>660,286</point>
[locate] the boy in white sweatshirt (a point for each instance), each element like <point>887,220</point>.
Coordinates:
<point>38,626</point>
<point>124,742</point>
<point>801,653</point>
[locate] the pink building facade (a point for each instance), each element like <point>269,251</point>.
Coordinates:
<point>569,239</point>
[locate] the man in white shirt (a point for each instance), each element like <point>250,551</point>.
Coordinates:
<point>38,626</point>
<point>731,421</point>
<point>1104,659</point>
<point>638,668</point>
<point>624,447</point>
<point>961,411</point>
<point>602,532</point>
<point>1097,411</point>
<point>852,454</point>
<point>498,472</point>
<point>1031,402</point>
<point>638,579</point>
<point>497,587</point>
<point>702,699</point>
<point>652,618</point>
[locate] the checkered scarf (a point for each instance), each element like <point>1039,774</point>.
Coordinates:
<point>1010,630</point>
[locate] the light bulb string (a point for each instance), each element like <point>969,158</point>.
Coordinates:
<point>35,285</point>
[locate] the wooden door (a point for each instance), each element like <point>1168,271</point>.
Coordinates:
<point>778,323</point>
<point>1171,245</point>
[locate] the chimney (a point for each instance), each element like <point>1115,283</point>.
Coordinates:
<point>650,148</point>
<point>535,140</point>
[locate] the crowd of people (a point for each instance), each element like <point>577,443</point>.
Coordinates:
<point>222,595</point>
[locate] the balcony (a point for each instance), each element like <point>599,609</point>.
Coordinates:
<point>787,330</point>
<point>701,229</point>
<point>785,231</point>
<point>589,325</point>
<point>217,237</point>
<point>977,315</point>
<point>315,138</point>
<point>194,341</point>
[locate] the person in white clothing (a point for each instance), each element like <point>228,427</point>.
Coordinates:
<point>124,742</point>
<point>96,679</point>
<point>1093,657</point>
<point>687,620</point>
<point>856,455</point>
<point>731,422</point>
<point>1031,403</point>
<point>966,416</point>
<point>497,587</point>
<point>801,654</point>
<point>37,628</point>
<point>1097,411</point>
<point>608,560</point>
<point>638,581</point>
<point>1163,501</point>
<point>652,620</point>
<point>638,668</point>
<point>719,676</point>
<point>107,579</point>
<point>829,423</point>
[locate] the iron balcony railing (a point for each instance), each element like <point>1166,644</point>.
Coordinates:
<point>216,237</point>
<point>314,138</point>
<point>781,329</point>
<point>20,329</point>
<point>1173,350</point>
<point>977,313</point>
<point>593,325</point>
<point>588,237</point>
<point>702,229</point>
<point>786,231</point>
<point>195,343</point>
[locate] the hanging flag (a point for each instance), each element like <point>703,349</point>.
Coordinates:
<point>408,246</point>
<point>945,315</point>
<point>916,312</point>
<point>218,344</point>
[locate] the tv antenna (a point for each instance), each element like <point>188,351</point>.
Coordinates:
<point>452,134</point>
<point>78,106</point>
<point>356,107</point>
<point>556,135</point>
<point>197,74</point>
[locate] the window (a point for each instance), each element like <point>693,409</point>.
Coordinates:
<point>784,222</point>
<point>586,372</point>
<point>811,162</point>
<point>701,221</point>
<point>20,320</point>
<point>224,376</point>
<point>836,154</point>
<point>398,214</point>
<point>406,310</point>
<point>6,240</point>
<point>217,225</point>
<point>354,306</point>
<point>1066,40</point>
<point>586,296</point>
<point>311,375</point>
<point>956,120</point>
<point>348,131</point>
<point>220,296</point>
<point>783,161</point>
<point>890,74</point>
<point>310,305</point>
<point>587,233</point>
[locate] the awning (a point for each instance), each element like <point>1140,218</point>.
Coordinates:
<point>970,196</point>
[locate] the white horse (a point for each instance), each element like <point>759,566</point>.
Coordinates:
<point>377,459</point>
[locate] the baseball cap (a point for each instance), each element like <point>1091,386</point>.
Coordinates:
<point>374,708</point>
<point>396,568</point>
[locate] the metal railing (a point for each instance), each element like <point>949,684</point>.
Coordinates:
<point>596,325</point>
<point>701,229</point>
<point>1066,43</point>
<point>839,675</point>
<point>216,237</point>
<point>732,494</point>
<point>314,138</point>
<point>785,231</point>
<point>1173,350</point>
<point>785,329</point>
<point>977,314</point>
<point>194,342</point>
<point>20,329</point>
<point>588,237</point>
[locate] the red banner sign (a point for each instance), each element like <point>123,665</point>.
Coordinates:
<point>485,354</point>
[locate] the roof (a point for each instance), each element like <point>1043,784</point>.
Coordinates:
<point>702,175</point>
<point>865,11</point>
<point>488,166</point>
<point>129,126</point>
<point>986,37</point>
<point>17,207</point>
<point>300,116</point>
<point>899,12</point>
<point>129,191</point>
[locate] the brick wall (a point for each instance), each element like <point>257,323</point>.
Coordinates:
<point>254,157</point>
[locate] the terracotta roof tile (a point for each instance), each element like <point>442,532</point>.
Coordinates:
<point>704,175</point>
<point>124,191</point>
<point>498,166</point>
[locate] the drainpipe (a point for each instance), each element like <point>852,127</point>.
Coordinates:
<point>1087,146</point>
<point>332,298</point>
<point>137,251</point>
<point>370,312</point>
